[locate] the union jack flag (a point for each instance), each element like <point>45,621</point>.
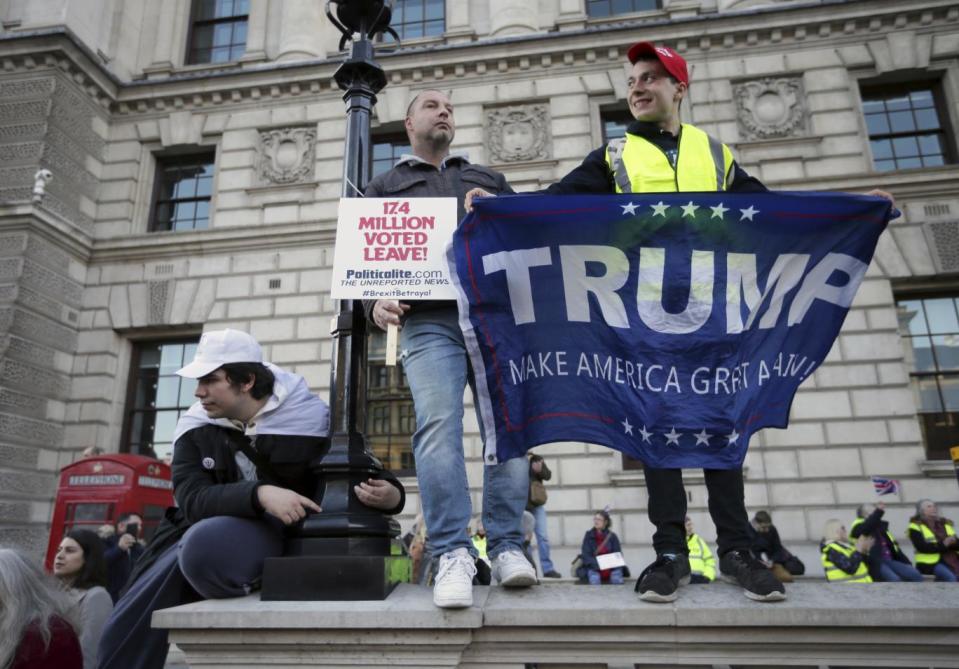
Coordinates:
<point>885,486</point>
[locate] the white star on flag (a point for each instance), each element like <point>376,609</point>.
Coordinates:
<point>733,436</point>
<point>702,437</point>
<point>627,428</point>
<point>689,209</point>
<point>629,208</point>
<point>672,437</point>
<point>645,434</point>
<point>660,208</point>
<point>748,213</point>
<point>719,210</point>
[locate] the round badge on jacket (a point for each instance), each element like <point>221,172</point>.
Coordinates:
<point>208,463</point>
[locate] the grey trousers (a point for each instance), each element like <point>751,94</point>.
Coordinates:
<point>216,558</point>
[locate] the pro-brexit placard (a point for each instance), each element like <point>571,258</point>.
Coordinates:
<point>670,327</point>
<point>393,248</point>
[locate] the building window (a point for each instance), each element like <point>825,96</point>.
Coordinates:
<point>905,127</point>
<point>390,418</point>
<point>387,150</point>
<point>157,396</point>
<point>419,18</point>
<point>600,8</point>
<point>615,123</point>
<point>218,33</point>
<point>184,186</point>
<point>930,327</point>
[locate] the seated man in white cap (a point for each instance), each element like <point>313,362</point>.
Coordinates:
<point>240,473</point>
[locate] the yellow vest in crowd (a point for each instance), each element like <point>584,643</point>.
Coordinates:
<point>834,573</point>
<point>891,539</point>
<point>927,534</point>
<point>480,544</point>
<point>639,166</point>
<point>701,560</point>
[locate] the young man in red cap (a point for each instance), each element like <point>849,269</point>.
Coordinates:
<point>660,154</point>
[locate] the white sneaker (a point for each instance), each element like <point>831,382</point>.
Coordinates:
<point>453,585</point>
<point>513,570</point>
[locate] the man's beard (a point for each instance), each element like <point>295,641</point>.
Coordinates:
<point>439,139</point>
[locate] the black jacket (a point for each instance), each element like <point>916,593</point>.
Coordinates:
<point>420,179</point>
<point>590,546</point>
<point>119,564</point>
<point>873,525</point>
<point>207,482</point>
<point>594,176</point>
<point>768,544</point>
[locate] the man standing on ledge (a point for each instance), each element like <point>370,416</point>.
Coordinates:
<point>659,154</point>
<point>434,358</point>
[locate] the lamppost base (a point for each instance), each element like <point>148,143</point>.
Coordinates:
<point>333,578</point>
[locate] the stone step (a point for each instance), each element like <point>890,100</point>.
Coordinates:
<point>820,624</point>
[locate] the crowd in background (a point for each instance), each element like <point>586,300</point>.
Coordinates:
<point>867,552</point>
<point>56,620</point>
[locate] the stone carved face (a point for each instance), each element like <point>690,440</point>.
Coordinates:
<point>770,108</point>
<point>518,137</point>
<point>287,155</point>
<point>518,132</point>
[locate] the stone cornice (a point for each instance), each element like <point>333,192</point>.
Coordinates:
<point>216,241</point>
<point>576,51</point>
<point>928,182</point>
<point>59,48</point>
<point>53,228</point>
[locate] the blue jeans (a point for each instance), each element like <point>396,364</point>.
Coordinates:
<point>892,571</point>
<point>615,576</point>
<point>542,538</point>
<point>943,572</point>
<point>437,367</point>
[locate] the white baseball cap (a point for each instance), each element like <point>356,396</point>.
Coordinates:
<point>219,347</point>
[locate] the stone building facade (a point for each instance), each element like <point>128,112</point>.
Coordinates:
<point>197,169</point>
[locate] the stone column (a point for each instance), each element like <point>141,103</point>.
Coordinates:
<point>512,17</point>
<point>171,28</point>
<point>458,26</point>
<point>300,31</point>
<point>256,32</point>
<point>571,15</point>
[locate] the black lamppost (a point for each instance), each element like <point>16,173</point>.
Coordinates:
<point>344,553</point>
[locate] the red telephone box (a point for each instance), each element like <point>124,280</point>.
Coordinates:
<point>95,491</point>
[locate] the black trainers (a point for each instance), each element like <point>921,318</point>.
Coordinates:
<point>659,581</point>
<point>756,579</point>
<point>552,573</point>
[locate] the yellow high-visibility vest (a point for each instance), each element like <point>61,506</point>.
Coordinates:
<point>701,560</point>
<point>927,534</point>
<point>480,544</point>
<point>891,539</point>
<point>834,573</point>
<point>639,166</point>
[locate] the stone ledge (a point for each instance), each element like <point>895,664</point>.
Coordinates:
<point>887,624</point>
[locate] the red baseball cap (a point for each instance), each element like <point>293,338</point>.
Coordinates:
<point>672,61</point>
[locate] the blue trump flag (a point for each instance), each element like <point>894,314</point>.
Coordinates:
<point>670,326</point>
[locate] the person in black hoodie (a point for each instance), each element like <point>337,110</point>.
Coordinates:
<point>240,474</point>
<point>887,562</point>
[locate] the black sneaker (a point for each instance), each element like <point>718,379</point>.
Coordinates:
<point>659,581</point>
<point>552,573</point>
<point>756,579</point>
